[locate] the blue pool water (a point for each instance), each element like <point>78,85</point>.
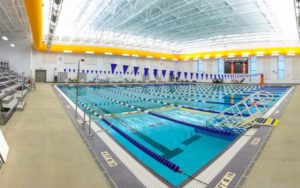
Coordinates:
<point>166,130</point>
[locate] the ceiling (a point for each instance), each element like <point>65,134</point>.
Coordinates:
<point>13,19</point>
<point>174,26</point>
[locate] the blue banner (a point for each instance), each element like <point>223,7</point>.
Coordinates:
<point>197,76</point>
<point>155,72</point>
<point>113,67</point>
<point>206,76</point>
<point>146,71</point>
<point>171,74</point>
<point>125,67</point>
<point>163,72</point>
<point>191,75</point>
<point>185,75</point>
<point>178,74</point>
<point>65,70</point>
<point>202,76</point>
<point>135,70</point>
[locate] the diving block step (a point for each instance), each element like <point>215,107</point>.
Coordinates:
<point>21,106</point>
<point>267,121</point>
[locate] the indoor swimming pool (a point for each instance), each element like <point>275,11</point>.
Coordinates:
<point>164,126</point>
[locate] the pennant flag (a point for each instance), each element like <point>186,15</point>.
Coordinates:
<point>210,76</point>
<point>125,67</point>
<point>178,74</point>
<point>104,72</point>
<point>191,75</point>
<point>185,75</point>
<point>87,71</point>
<point>82,71</point>
<point>69,70</point>
<point>197,76</point>
<point>96,72</point>
<point>100,71</point>
<point>206,76</point>
<point>113,67</point>
<point>163,72</point>
<point>65,70</point>
<point>146,71</point>
<point>155,72</point>
<point>202,76</point>
<point>74,70</point>
<point>135,70</point>
<point>108,72</point>
<point>171,74</point>
<point>92,71</point>
<point>215,76</point>
<point>117,72</point>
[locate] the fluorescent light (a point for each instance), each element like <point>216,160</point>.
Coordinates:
<point>108,53</point>
<point>245,54</point>
<point>230,55</point>
<point>12,45</point>
<point>67,51</point>
<point>162,58</point>
<point>291,53</point>
<point>206,57</point>
<point>149,56</point>
<point>218,56</point>
<point>125,54</point>
<point>89,52</point>
<point>4,38</point>
<point>275,53</point>
<point>260,53</point>
<point>175,59</point>
<point>134,55</point>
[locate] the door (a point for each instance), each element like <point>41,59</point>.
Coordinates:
<point>40,75</point>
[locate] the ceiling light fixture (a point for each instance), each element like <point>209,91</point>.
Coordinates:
<point>4,38</point>
<point>108,53</point>
<point>135,55</point>
<point>89,52</point>
<point>12,45</point>
<point>125,55</point>
<point>67,51</point>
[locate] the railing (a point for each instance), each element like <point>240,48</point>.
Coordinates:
<point>243,113</point>
<point>19,82</point>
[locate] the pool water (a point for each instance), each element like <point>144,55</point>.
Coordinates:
<point>166,129</point>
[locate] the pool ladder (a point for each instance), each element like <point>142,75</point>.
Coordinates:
<point>244,113</point>
<point>87,120</point>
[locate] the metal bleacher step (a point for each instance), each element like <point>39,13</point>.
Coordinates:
<point>267,122</point>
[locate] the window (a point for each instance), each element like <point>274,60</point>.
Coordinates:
<point>253,65</point>
<point>281,68</point>
<point>220,66</point>
<point>200,66</point>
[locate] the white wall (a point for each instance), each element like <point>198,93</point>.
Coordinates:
<point>61,61</point>
<point>20,56</point>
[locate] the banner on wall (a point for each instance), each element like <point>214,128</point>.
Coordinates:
<point>146,72</point>
<point>65,70</point>
<point>202,76</point>
<point>155,72</point>
<point>178,74</point>
<point>191,75</point>
<point>125,68</point>
<point>210,75</point>
<point>113,68</point>
<point>135,70</point>
<point>197,76</point>
<point>185,75</point>
<point>163,72</point>
<point>171,74</point>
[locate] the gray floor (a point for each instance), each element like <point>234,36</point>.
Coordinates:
<point>46,150</point>
<point>278,166</point>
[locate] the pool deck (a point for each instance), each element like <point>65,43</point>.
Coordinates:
<point>47,151</point>
<point>278,165</point>
<point>45,148</point>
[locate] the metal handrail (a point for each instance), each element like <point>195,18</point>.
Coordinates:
<point>238,118</point>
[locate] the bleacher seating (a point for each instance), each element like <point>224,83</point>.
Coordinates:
<point>12,91</point>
